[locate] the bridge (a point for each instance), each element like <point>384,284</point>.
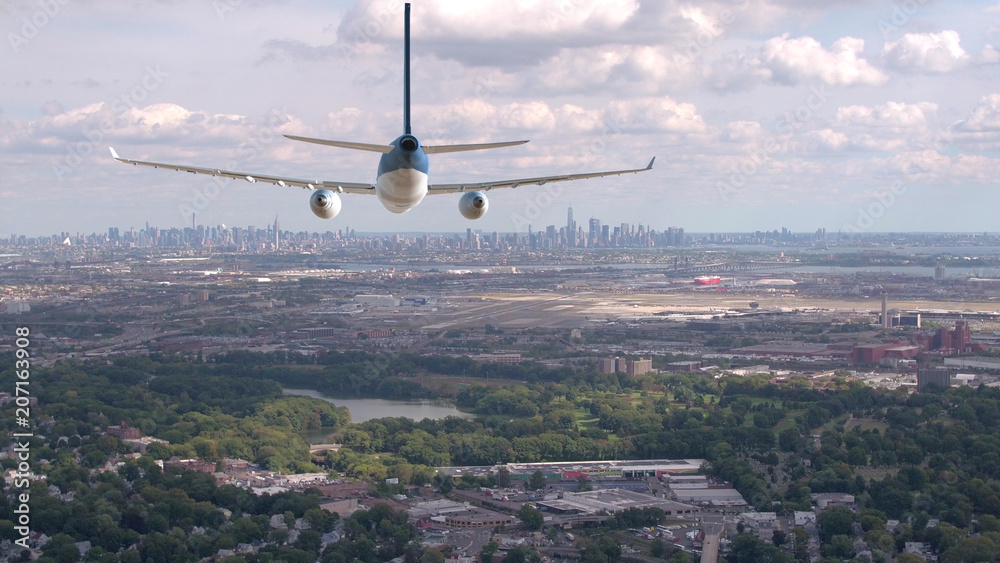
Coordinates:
<point>323,448</point>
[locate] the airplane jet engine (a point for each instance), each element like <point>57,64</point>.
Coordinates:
<point>473,205</point>
<point>325,204</point>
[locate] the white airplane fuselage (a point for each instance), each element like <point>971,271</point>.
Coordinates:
<point>402,175</point>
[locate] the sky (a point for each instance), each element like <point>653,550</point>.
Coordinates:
<point>848,115</point>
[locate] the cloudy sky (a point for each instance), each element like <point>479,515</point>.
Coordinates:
<point>862,115</point>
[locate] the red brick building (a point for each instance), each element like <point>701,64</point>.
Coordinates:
<point>124,432</point>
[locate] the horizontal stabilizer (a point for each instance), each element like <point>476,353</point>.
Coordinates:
<point>384,149</point>
<point>476,147</point>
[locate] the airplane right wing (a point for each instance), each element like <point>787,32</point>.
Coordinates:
<point>540,181</point>
<point>348,187</point>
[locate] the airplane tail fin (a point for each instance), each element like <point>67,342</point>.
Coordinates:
<point>406,69</point>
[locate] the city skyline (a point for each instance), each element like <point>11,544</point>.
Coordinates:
<point>550,237</point>
<point>861,116</point>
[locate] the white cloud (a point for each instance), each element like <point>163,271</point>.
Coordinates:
<point>980,130</point>
<point>984,117</point>
<point>743,131</point>
<point>651,114</point>
<point>830,139</point>
<point>989,55</point>
<point>927,52</point>
<point>530,116</point>
<point>736,71</point>
<point>890,114</point>
<point>794,60</point>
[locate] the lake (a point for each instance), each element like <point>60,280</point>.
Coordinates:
<point>367,409</point>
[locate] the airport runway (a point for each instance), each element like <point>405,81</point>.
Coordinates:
<point>581,308</point>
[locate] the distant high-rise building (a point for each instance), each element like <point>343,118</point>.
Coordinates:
<point>939,272</point>
<point>594,233</point>
<point>606,365</point>
<point>277,232</point>
<point>639,367</point>
<point>570,228</point>
<point>940,378</point>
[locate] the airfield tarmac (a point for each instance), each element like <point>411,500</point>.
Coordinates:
<point>578,309</point>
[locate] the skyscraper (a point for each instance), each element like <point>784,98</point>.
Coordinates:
<point>594,233</point>
<point>570,228</point>
<point>886,324</point>
<point>277,231</point>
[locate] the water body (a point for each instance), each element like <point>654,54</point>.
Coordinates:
<point>850,270</point>
<point>367,409</point>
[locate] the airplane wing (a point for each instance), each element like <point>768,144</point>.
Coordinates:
<point>472,186</point>
<point>348,187</point>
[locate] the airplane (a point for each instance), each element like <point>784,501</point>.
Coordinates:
<point>401,182</point>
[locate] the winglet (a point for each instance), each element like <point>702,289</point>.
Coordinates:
<point>650,165</point>
<point>114,154</point>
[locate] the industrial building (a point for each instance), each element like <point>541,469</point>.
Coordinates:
<point>376,300</point>
<point>875,353</point>
<point>625,469</point>
<point>709,497</point>
<point>612,501</point>
<point>498,358</point>
<point>458,515</point>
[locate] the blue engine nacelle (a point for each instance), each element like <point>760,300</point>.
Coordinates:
<point>325,204</point>
<point>473,205</point>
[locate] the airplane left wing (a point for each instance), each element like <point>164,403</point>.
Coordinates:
<point>540,181</point>
<point>348,187</point>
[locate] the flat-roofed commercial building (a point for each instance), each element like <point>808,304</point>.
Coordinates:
<point>624,469</point>
<point>478,518</point>
<point>710,497</point>
<point>612,501</point>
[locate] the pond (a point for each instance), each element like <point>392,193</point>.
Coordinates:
<point>367,409</point>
